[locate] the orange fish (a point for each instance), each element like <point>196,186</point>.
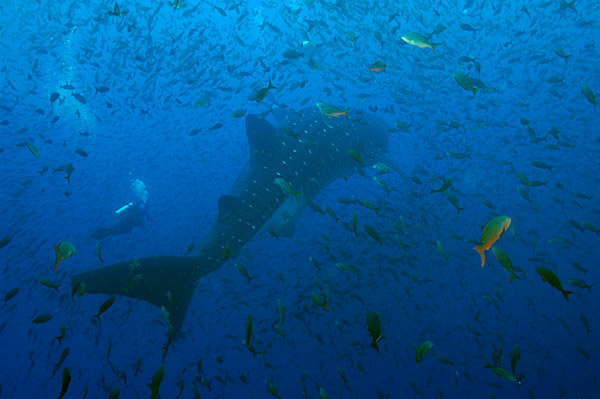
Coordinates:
<point>63,250</point>
<point>490,233</point>
<point>377,67</point>
<point>336,114</point>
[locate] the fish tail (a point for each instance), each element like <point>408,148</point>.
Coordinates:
<point>434,45</point>
<point>161,274</point>
<point>566,294</point>
<point>375,346</point>
<point>481,250</point>
<point>512,277</point>
<point>57,261</point>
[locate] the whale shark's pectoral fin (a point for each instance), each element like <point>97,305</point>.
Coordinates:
<point>283,221</point>
<point>229,205</point>
<point>168,281</point>
<point>286,230</point>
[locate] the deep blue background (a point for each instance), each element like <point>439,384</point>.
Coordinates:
<point>158,61</point>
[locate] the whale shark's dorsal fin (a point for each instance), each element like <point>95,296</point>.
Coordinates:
<point>261,136</point>
<point>287,229</point>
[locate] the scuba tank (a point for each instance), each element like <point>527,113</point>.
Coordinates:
<point>123,208</point>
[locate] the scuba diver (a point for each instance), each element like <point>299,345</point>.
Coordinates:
<point>132,214</point>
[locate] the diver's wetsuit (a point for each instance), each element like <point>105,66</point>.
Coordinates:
<point>132,217</point>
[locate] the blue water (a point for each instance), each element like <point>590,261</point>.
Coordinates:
<point>157,62</point>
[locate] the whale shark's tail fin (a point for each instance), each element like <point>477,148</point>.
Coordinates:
<point>168,281</point>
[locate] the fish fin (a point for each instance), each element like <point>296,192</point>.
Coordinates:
<point>434,45</point>
<point>480,249</point>
<point>228,205</point>
<point>57,261</point>
<point>284,225</point>
<point>566,294</point>
<point>512,277</point>
<point>261,136</point>
<point>160,274</point>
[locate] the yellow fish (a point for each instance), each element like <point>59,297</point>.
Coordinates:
<point>464,82</point>
<point>330,110</point>
<point>585,89</point>
<point>63,250</point>
<point>420,41</point>
<point>552,279</point>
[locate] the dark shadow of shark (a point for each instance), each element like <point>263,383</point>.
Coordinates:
<point>308,150</point>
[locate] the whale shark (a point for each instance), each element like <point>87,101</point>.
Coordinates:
<point>288,165</point>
